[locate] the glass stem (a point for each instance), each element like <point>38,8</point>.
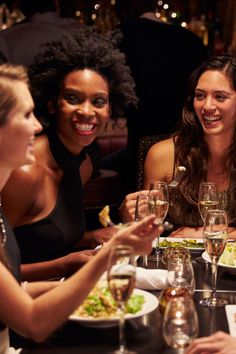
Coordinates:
<point>214,266</point>
<point>121,328</point>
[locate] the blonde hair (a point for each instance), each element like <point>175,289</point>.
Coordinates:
<point>8,75</point>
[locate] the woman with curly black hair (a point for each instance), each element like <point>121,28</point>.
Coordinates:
<point>77,84</point>
<point>205,145</point>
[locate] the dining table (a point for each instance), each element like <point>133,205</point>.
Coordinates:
<point>144,333</point>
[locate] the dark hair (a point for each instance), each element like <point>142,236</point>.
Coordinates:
<point>191,147</point>
<point>30,7</point>
<point>79,50</point>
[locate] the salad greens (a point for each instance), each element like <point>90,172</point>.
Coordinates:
<point>191,243</point>
<point>100,304</point>
<point>229,255</point>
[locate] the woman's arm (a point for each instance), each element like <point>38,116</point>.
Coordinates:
<point>59,267</point>
<point>39,317</point>
<point>159,162</point>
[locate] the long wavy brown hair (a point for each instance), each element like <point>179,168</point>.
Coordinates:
<point>191,148</point>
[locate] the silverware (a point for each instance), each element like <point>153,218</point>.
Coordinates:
<point>178,177</point>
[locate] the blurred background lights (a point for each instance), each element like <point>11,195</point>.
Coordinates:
<point>96,6</point>
<point>165,6</point>
<point>93,16</point>
<point>160,2</point>
<point>174,15</point>
<point>183,24</point>
<point>113,2</point>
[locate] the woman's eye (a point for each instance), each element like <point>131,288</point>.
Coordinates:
<point>100,102</point>
<point>199,96</point>
<point>221,98</point>
<point>72,99</point>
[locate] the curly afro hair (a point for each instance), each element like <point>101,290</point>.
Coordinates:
<point>78,50</point>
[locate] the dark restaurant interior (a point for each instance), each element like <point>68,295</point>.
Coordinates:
<point>212,20</point>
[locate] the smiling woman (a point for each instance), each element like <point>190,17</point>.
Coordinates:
<point>205,144</point>
<point>77,83</point>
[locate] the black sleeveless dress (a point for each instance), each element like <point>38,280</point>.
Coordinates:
<point>13,254</point>
<point>55,235</point>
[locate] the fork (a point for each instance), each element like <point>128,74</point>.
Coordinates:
<point>178,177</point>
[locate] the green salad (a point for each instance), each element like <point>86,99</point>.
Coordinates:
<point>100,304</point>
<point>190,243</point>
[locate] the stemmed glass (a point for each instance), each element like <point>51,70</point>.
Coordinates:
<point>215,236</point>
<point>121,281</point>
<point>180,273</point>
<point>207,198</point>
<point>158,205</point>
<point>180,323</point>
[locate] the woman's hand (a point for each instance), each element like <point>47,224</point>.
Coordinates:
<point>127,208</point>
<point>139,235</point>
<point>217,343</point>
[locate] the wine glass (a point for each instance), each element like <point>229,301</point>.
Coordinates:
<point>215,236</point>
<point>121,280</point>
<point>180,273</point>
<point>180,323</point>
<point>158,205</point>
<point>141,211</point>
<point>207,198</point>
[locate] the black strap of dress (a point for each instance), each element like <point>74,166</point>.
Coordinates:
<point>67,162</point>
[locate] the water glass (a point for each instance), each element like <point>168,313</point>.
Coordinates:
<point>180,323</point>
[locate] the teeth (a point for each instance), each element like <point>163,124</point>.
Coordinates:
<point>84,127</point>
<point>211,119</point>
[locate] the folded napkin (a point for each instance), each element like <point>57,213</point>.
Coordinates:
<point>150,279</point>
<point>231,317</point>
<point>147,279</point>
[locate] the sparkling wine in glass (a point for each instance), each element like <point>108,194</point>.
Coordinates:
<point>121,280</point>
<point>180,323</point>
<point>207,199</point>
<point>158,205</point>
<point>215,236</point>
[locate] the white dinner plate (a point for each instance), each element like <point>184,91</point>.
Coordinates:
<point>150,304</point>
<point>206,257</point>
<point>180,241</point>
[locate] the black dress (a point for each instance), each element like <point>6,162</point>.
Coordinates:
<point>56,235</point>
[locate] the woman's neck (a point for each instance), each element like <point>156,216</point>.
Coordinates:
<point>4,176</point>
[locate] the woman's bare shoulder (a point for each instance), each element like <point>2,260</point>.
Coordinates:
<point>159,162</point>
<point>162,148</point>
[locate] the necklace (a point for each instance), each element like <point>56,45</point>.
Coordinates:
<point>2,227</point>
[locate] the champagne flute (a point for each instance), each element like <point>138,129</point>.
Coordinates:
<point>207,198</point>
<point>215,236</point>
<point>121,280</point>
<point>180,323</point>
<point>158,205</point>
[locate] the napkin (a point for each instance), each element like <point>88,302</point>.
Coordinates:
<point>231,317</point>
<point>150,279</point>
<point>147,279</point>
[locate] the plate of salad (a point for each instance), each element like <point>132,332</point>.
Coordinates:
<point>99,308</point>
<point>192,244</point>
<point>228,257</point>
